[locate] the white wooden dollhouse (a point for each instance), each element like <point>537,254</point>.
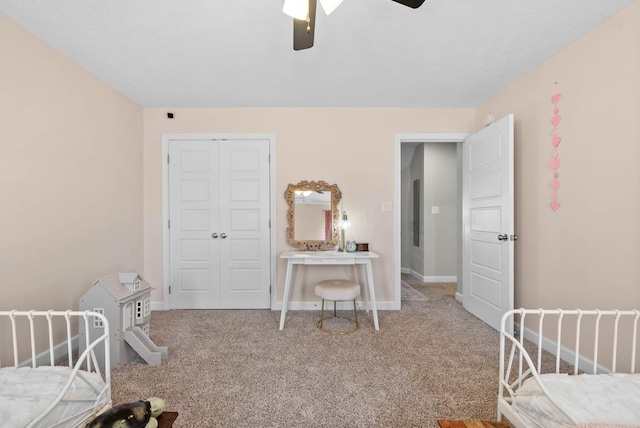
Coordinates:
<point>125,299</point>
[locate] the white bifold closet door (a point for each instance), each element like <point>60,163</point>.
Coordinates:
<point>219,224</point>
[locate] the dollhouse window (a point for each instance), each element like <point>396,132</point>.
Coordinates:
<point>139,309</point>
<point>145,329</point>
<point>147,307</point>
<point>136,285</point>
<point>97,322</point>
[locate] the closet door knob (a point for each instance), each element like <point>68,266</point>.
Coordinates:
<point>223,235</point>
<point>214,235</point>
<point>503,237</point>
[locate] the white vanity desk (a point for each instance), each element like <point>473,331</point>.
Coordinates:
<point>328,258</point>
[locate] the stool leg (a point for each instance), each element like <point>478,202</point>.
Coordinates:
<point>322,314</point>
<point>355,313</point>
<point>335,314</point>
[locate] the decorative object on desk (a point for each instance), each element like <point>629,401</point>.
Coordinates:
<point>345,223</point>
<point>351,245</point>
<point>313,215</point>
<point>362,246</point>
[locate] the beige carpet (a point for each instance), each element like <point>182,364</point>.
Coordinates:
<point>431,360</point>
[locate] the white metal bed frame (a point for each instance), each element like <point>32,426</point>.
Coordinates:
<point>86,362</point>
<point>516,365</point>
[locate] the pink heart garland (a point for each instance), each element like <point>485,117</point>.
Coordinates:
<point>555,185</point>
<point>556,98</point>
<point>555,141</point>
<point>555,206</point>
<point>555,133</point>
<point>555,120</point>
<point>555,164</point>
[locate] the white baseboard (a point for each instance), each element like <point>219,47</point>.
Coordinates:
<point>59,350</point>
<point>566,354</point>
<point>306,306</point>
<point>157,306</point>
<point>423,278</point>
<point>315,306</point>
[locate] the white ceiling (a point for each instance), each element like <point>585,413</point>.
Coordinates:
<point>368,53</point>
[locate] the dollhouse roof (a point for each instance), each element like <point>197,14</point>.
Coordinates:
<point>114,284</point>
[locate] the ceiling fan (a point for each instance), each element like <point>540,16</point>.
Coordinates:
<point>304,17</point>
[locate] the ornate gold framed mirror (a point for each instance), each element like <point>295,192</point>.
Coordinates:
<point>313,215</point>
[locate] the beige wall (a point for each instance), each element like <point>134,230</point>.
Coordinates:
<point>351,147</point>
<point>71,172</point>
<point>587,254</point>
<point>70,176</point>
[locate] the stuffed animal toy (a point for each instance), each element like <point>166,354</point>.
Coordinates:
<point>139,414</point>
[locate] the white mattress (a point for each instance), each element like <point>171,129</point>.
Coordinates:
<point>25,392</point>
<point>588,399</point>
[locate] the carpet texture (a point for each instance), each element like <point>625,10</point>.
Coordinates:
<point>410,293</point>
<point>233,368</point>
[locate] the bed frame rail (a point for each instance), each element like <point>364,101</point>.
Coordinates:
<point>49,354</point>
<point>562,333</point>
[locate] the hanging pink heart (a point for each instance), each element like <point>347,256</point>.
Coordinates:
<point>555,164</point>
<point>555,206</point>
<point>555,185</point>
<point>555,141</point>
<point>556,98</point>
<point>555,120</point>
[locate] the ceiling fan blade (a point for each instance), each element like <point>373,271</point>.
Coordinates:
<point>411,3</point>
<point>302,31</point>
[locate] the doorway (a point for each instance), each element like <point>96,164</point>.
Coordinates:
<point>431,209</point>
<point>488,235</point>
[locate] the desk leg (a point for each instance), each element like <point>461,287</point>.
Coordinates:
<point>287,290</point>
<point>372,295</point>
<point>362,277</point>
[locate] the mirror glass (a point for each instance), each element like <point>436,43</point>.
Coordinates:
<point>312,215</point>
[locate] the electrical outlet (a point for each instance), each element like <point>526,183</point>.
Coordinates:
<point>387,206</point>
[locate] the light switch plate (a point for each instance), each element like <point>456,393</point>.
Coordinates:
<point>435,210</point>
<point>387,206</point>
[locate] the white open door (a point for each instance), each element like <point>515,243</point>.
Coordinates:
<point>488,218</point>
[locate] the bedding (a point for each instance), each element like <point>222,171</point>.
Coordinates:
<point>550,374</point>
<point>35,392</point>
<point>29,391</point>
<point>612,398</point>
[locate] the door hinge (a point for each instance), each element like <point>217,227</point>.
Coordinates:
<point>269,223</point>
<point>168,158</point>
<point>168,224</point>
<point>169,289</point>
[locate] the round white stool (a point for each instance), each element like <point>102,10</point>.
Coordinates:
<point>338,290</point>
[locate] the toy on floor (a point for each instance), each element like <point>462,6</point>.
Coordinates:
<point>139,414</point>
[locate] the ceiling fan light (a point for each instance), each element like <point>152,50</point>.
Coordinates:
<point>298,9</point>
<point>330,5</point>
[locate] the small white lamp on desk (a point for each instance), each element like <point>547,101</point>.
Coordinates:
<point>344,224</point>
